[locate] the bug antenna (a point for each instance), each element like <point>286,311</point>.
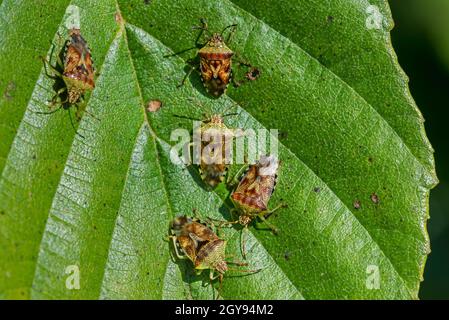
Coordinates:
<point>73,126</point>
<point>50,112</point>
<point>220,288</point>
<point>229,108</point>
<point>244,271</point>
<point>186,117</point>
<point>231,114</point>
<point>203,27</point>
<point>207,116</point>
<point>225,28</point>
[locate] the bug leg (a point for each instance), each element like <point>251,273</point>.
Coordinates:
<point>54,102</point>
<point>204,28</point>
<point>233,28</point>
<point>73,126</point>
<point>178,255</point>
<point>270,212</point>
<point>240,60</point>
<point>55,74</point>
<point>52,111</point>
<point>220,279</point>
<point>91,115</point>
<point>220,223</point>
<point>186,76</point>
<point>55,97</point>
<point>179,52</point>
<point>236,83</point>
<point>235,179</point>
<point>82,107</point>
<point>243,241</point>
<point>238,263</point>
<point>268,224</point>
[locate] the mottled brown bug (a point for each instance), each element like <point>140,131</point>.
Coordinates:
<point>215,65</point>
<point>202,246</point>
<point>212,145</point>
<point>253,192</point>
<point>213,165</point>
<point>215,60</point>
<point>255,189</point>
<point>77,71</point>
<point>215,148</point>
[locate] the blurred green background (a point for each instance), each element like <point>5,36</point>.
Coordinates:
<point>421,41</point>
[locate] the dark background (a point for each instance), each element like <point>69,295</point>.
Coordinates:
<point>421,41</point>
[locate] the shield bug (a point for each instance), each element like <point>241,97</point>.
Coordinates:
<point>212,146</point>
<point>202,247</point>
<point>215,60</point>
<point>77,72</point>
<point>215,155</point>
<point>253,192</point>
<point>215,64</point>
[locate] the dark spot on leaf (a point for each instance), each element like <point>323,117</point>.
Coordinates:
<point>370,159</point>
<point>95,227</point>
<point>252,74</point>
<point>2,213</point>
<point>330,19</point>
<point>283,134</point>
<point>147,2</point>
<point>357,205</point>
<point>317,189</point>
<point>375,198</point>
<point>287,255</point>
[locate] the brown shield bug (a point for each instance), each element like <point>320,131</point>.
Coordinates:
<point>213,166</point>
<point>212,145</point>
<point>77,72</point>
<point>253,192</point>
<point>215,60</point>
<point>198,243</point>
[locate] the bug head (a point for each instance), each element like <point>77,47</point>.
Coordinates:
<point>216,40</point>
<point>216,119</point>
<point>179,222</point>
<point>74,32</point>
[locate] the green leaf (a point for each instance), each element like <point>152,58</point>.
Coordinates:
<point>101,203</point>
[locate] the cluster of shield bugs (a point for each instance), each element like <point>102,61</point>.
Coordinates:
<point>215,57</point>
<point>77,73</point>
<point>198,243</point>
<point>192,239</point>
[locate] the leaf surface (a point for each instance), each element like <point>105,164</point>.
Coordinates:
<point>102,203</point>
